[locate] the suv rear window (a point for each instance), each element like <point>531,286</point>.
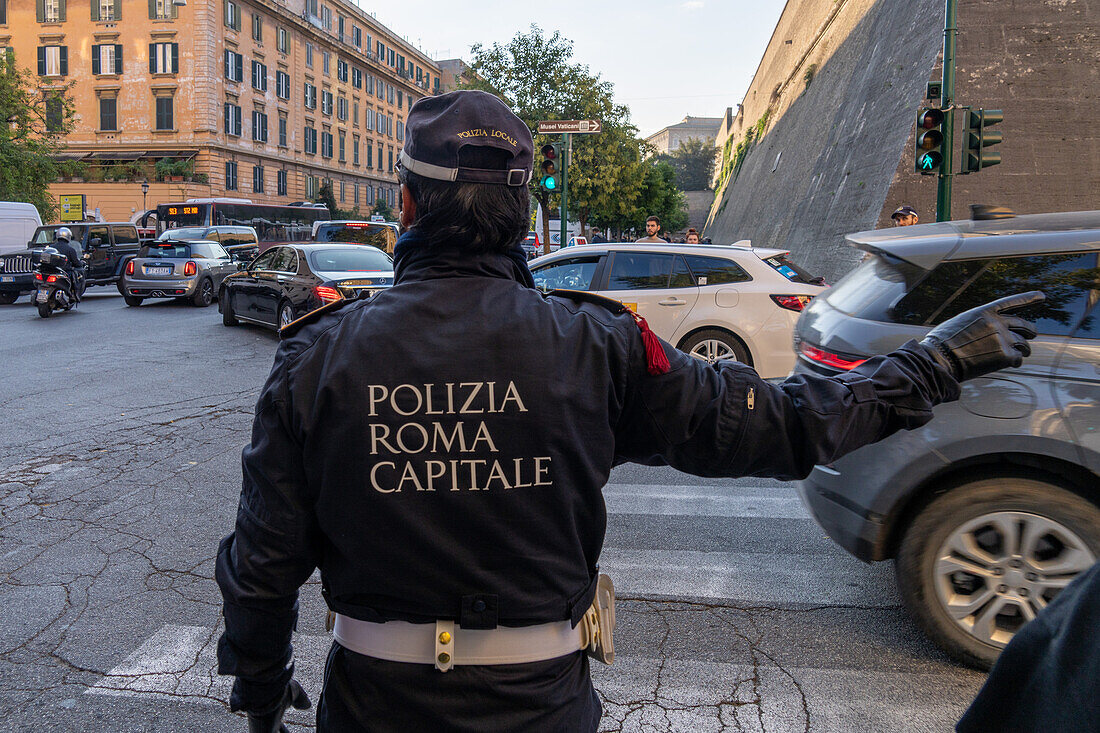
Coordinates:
<point>382,236</point>
<point>1069,281</point>
<point>166,250</point>
<point>870,290</point>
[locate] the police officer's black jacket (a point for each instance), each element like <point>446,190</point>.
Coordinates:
<point>439,452</point>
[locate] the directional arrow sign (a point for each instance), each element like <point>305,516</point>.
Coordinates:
<point>582,127</point>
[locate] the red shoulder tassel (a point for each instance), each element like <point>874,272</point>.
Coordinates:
<point>655,358</point>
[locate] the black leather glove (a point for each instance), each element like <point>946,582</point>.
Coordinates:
<point>983,339</point>
<point>272,721</point>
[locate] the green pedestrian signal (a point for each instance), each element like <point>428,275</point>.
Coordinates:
<point>978,137</point>
<point>550,168</point>
<point>929,142</point>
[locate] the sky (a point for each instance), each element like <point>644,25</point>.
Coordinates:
<point>666,58</point>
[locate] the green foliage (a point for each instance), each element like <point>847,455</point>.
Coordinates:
<point>693,164</point>
<point>809,74</point>
<point>734,157</point>
<point>166,168</point>
<point>383,209</point>
<point>327,197</point>
<point>26,149</point>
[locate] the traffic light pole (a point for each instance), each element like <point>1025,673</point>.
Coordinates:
<point>566,154</point>
<point>947,104</point>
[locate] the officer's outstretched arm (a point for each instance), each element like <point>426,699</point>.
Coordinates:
<point>274,548</point>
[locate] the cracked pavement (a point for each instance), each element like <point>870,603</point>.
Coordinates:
<point>122,430</point>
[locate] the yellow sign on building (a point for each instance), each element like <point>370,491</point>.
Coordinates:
<point>72,207</point>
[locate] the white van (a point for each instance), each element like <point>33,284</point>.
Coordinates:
<point>18,221</point>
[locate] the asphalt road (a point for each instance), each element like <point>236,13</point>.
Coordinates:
<point>122,430</point>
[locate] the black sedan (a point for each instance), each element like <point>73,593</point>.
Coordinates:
<point>287,281</point>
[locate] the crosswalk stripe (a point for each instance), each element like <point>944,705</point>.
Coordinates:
<point>704,501</point>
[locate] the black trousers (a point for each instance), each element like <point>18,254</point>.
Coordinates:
<point>367,694</point>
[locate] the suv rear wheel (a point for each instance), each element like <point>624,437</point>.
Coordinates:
<point>983,559</point>
<point>711,345</point>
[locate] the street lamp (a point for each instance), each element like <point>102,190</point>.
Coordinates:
<point>144,193</point>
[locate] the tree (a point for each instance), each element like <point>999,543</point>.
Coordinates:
<point>692,163</point>
<point>659,197</point>
<point>382,209</point>
<point>33,131</point>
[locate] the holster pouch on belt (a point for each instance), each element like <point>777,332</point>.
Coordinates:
<point>599,622</point>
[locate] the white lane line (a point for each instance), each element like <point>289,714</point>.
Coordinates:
<point>755,578</point>
<point>704,501</point>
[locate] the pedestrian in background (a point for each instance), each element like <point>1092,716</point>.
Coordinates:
<point>692,237</point>
<point>598,237</point>
<point>453,503</point>
<point>652,230</point>
<point>905,216</point>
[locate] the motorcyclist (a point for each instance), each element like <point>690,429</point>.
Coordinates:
<point>74,263</point>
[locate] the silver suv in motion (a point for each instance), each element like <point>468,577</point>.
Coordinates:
<point>994,506</point>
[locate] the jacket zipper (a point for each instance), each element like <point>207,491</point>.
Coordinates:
<point>751,400</point>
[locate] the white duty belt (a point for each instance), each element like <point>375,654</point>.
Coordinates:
<point>445,644</point>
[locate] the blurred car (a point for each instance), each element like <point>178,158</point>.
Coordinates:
<point>176,269</point>
<point>288,281</point>
<point>532,245</point>
<point>380,234</point>
<point>994,506</point>
<point>714,302</point>
<point>241,242</point>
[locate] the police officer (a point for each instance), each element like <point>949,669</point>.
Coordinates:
<point>74,262</point>
<point>439,452</point>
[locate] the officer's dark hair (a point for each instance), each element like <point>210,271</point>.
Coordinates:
<point>653,218</point>
<point>488,217</point>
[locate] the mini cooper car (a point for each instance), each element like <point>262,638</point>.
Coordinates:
<point>176,269</point>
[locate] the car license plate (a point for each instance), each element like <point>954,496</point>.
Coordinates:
<point>43,296</point>
<point>8,279</point>
<point>158,270</point>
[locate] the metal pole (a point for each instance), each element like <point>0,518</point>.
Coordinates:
<point>943,190</point>
<point>566,154</point>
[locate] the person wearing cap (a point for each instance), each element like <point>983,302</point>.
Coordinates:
<point>904,216</point>
<point>439,452</point>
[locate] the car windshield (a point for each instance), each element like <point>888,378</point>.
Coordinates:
<point>166,250</point>
<point>47,235</point>
<point>382,236</point>
<point>183,233</point>
<point>792,272</point>
<point>350,260</point>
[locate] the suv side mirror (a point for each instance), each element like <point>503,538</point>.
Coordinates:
<point>95,243</point>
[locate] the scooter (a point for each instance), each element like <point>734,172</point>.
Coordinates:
<point>55,288</point>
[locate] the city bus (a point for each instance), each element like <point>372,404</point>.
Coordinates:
<point>272,223</point>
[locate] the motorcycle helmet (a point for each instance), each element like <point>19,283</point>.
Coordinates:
<point>64,233</point>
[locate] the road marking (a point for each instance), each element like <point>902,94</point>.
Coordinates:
<point>704,501</point>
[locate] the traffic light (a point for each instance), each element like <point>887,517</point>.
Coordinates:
<point>929,140</point>
<point>550,168</point>
<point>978,137</point>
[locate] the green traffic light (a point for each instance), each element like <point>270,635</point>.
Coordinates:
<point>549,183</point>
<point>929,162</point>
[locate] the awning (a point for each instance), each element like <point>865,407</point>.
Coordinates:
<point>69,155</point>
<point>185,154</point>
<point>119,155</point>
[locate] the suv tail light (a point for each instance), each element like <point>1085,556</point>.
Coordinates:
<point>792,302</point>
<point>327,294</point>
<point>130,267</point>
<point>190,269</point>
<point>51,278</point>
<point>38,276</point>
<point>828,359</point>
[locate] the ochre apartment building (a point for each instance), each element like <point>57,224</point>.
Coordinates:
<point>257,99</point>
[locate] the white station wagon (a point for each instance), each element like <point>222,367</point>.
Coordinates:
<point>711,301</point>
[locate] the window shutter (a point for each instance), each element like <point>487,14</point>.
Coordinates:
<point>61,16</point>
<point>175,11</point>
<point>95,55</point>
<point>64,61</point>
<point>118,58</point>
<point>40,12</point>
<point>41,59</point>
<point>239,60</point>
<point>175,55</point>
<point>95,10</point>
<point>152,9</point>
<point>152,58</point>
<point>228,73</point>
<point>228,127</point>
<point>118,10</point>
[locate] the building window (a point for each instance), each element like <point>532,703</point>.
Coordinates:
<point>311,186</point>
<point>164,58</point>
<point>389,56</point>
<point>234,66</point>
<point>258,178</point>
<point>326,102</point>
<point>340,27</point>
<point>310,140</point>
<point>232,15</point>
<point>232,119</point>
<point>282,40</point>
<point>282,132</point>
<point>342,70</point>
<point>165,118</point>
<point>355,152</point>
<point>355,113</point>
<point>230,176</point>
<point>309,55</point>
<point>53,60</point>
<point>370,154</point>
<point>326,144</point>
<point>280,183</point>
<point>326,17</point>
<point>390,93</point>
<point>311,7</point>
<point>341,108</point>
<point>368,118</point>
<point>400,98</point>
<point>108,113</point>
<point>257,28</point>
<point>162,10</point>
<point>51,11</point>
<point>282,85</point>
<point>380,158</point>
<point>259,126</point>
<point>310,96</point>
<point>55,113</point>
<point>106,10</point>
<point>357,78</point>
<point>341,139</point>
<point>326,62</point>
<point>343,197</point>
<point>400,130</point>
<point>259,76</point>
<point>107,59</point>
<point>357,36</point>
<point>390,169</point>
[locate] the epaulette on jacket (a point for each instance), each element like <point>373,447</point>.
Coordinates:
<point>313,316</point>
<point>655,358</point>
<point>583,296</point>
